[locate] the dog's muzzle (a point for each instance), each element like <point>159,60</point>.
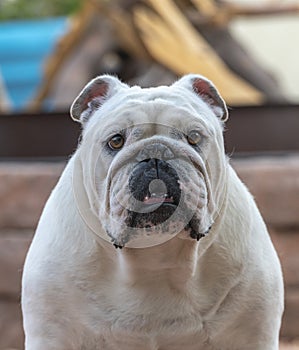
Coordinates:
<point>154,184</point>
<point>159,194</point>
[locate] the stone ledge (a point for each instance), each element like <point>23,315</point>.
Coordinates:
<point>274,182</point>
<point>289,346</point>
<point>13,249</point>
<point>24,189</point>
<point>287,244</point>
<point>11,328</point>
<point>290,321</point>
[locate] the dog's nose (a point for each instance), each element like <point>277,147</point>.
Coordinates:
<point>154,177</point>
<point>152,167</point>
<point>155,150</point>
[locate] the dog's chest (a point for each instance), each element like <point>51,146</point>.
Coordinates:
<point>146,319</point>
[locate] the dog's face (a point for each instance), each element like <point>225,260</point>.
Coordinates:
<point>152,159</point>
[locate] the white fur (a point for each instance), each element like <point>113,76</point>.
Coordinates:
<point>224,292</point>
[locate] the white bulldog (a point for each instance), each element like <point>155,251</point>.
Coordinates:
<point>197,269</point>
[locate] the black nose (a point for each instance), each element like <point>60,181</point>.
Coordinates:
<point>154,177</point>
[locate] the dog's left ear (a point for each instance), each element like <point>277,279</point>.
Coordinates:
<point>94,95</point>
<point>205,89</point>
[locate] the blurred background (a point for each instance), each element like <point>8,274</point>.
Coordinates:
<point>50,49</point>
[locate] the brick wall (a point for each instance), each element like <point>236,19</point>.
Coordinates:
<point>24,188</point>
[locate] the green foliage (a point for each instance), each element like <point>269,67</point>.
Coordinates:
<point>21,9</point>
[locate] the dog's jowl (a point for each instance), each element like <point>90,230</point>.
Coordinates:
<point>150,240</point>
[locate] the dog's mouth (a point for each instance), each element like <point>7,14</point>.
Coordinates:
<point>156,199</point>
<point>152,201</point>
<point>154,209</point>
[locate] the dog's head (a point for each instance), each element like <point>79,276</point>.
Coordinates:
<point>153,160</point>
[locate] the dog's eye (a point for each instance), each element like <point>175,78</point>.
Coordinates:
<point>194,138</point>
<point>116,142</point>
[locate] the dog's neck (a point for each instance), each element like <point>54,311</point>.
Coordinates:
<point>174,261</point>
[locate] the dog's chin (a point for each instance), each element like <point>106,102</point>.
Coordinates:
<point>155,226</point>
<point>151,215</point>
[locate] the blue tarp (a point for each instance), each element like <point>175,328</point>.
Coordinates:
<point>24,46</point>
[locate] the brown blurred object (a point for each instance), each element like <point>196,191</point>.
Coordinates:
<point>150,42</point>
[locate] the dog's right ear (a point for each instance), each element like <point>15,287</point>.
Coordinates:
<point>93,96</point>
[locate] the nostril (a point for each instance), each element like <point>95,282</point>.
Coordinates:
<point>151,172</point>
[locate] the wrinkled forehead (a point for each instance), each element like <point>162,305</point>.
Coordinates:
<point>162,106</point>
